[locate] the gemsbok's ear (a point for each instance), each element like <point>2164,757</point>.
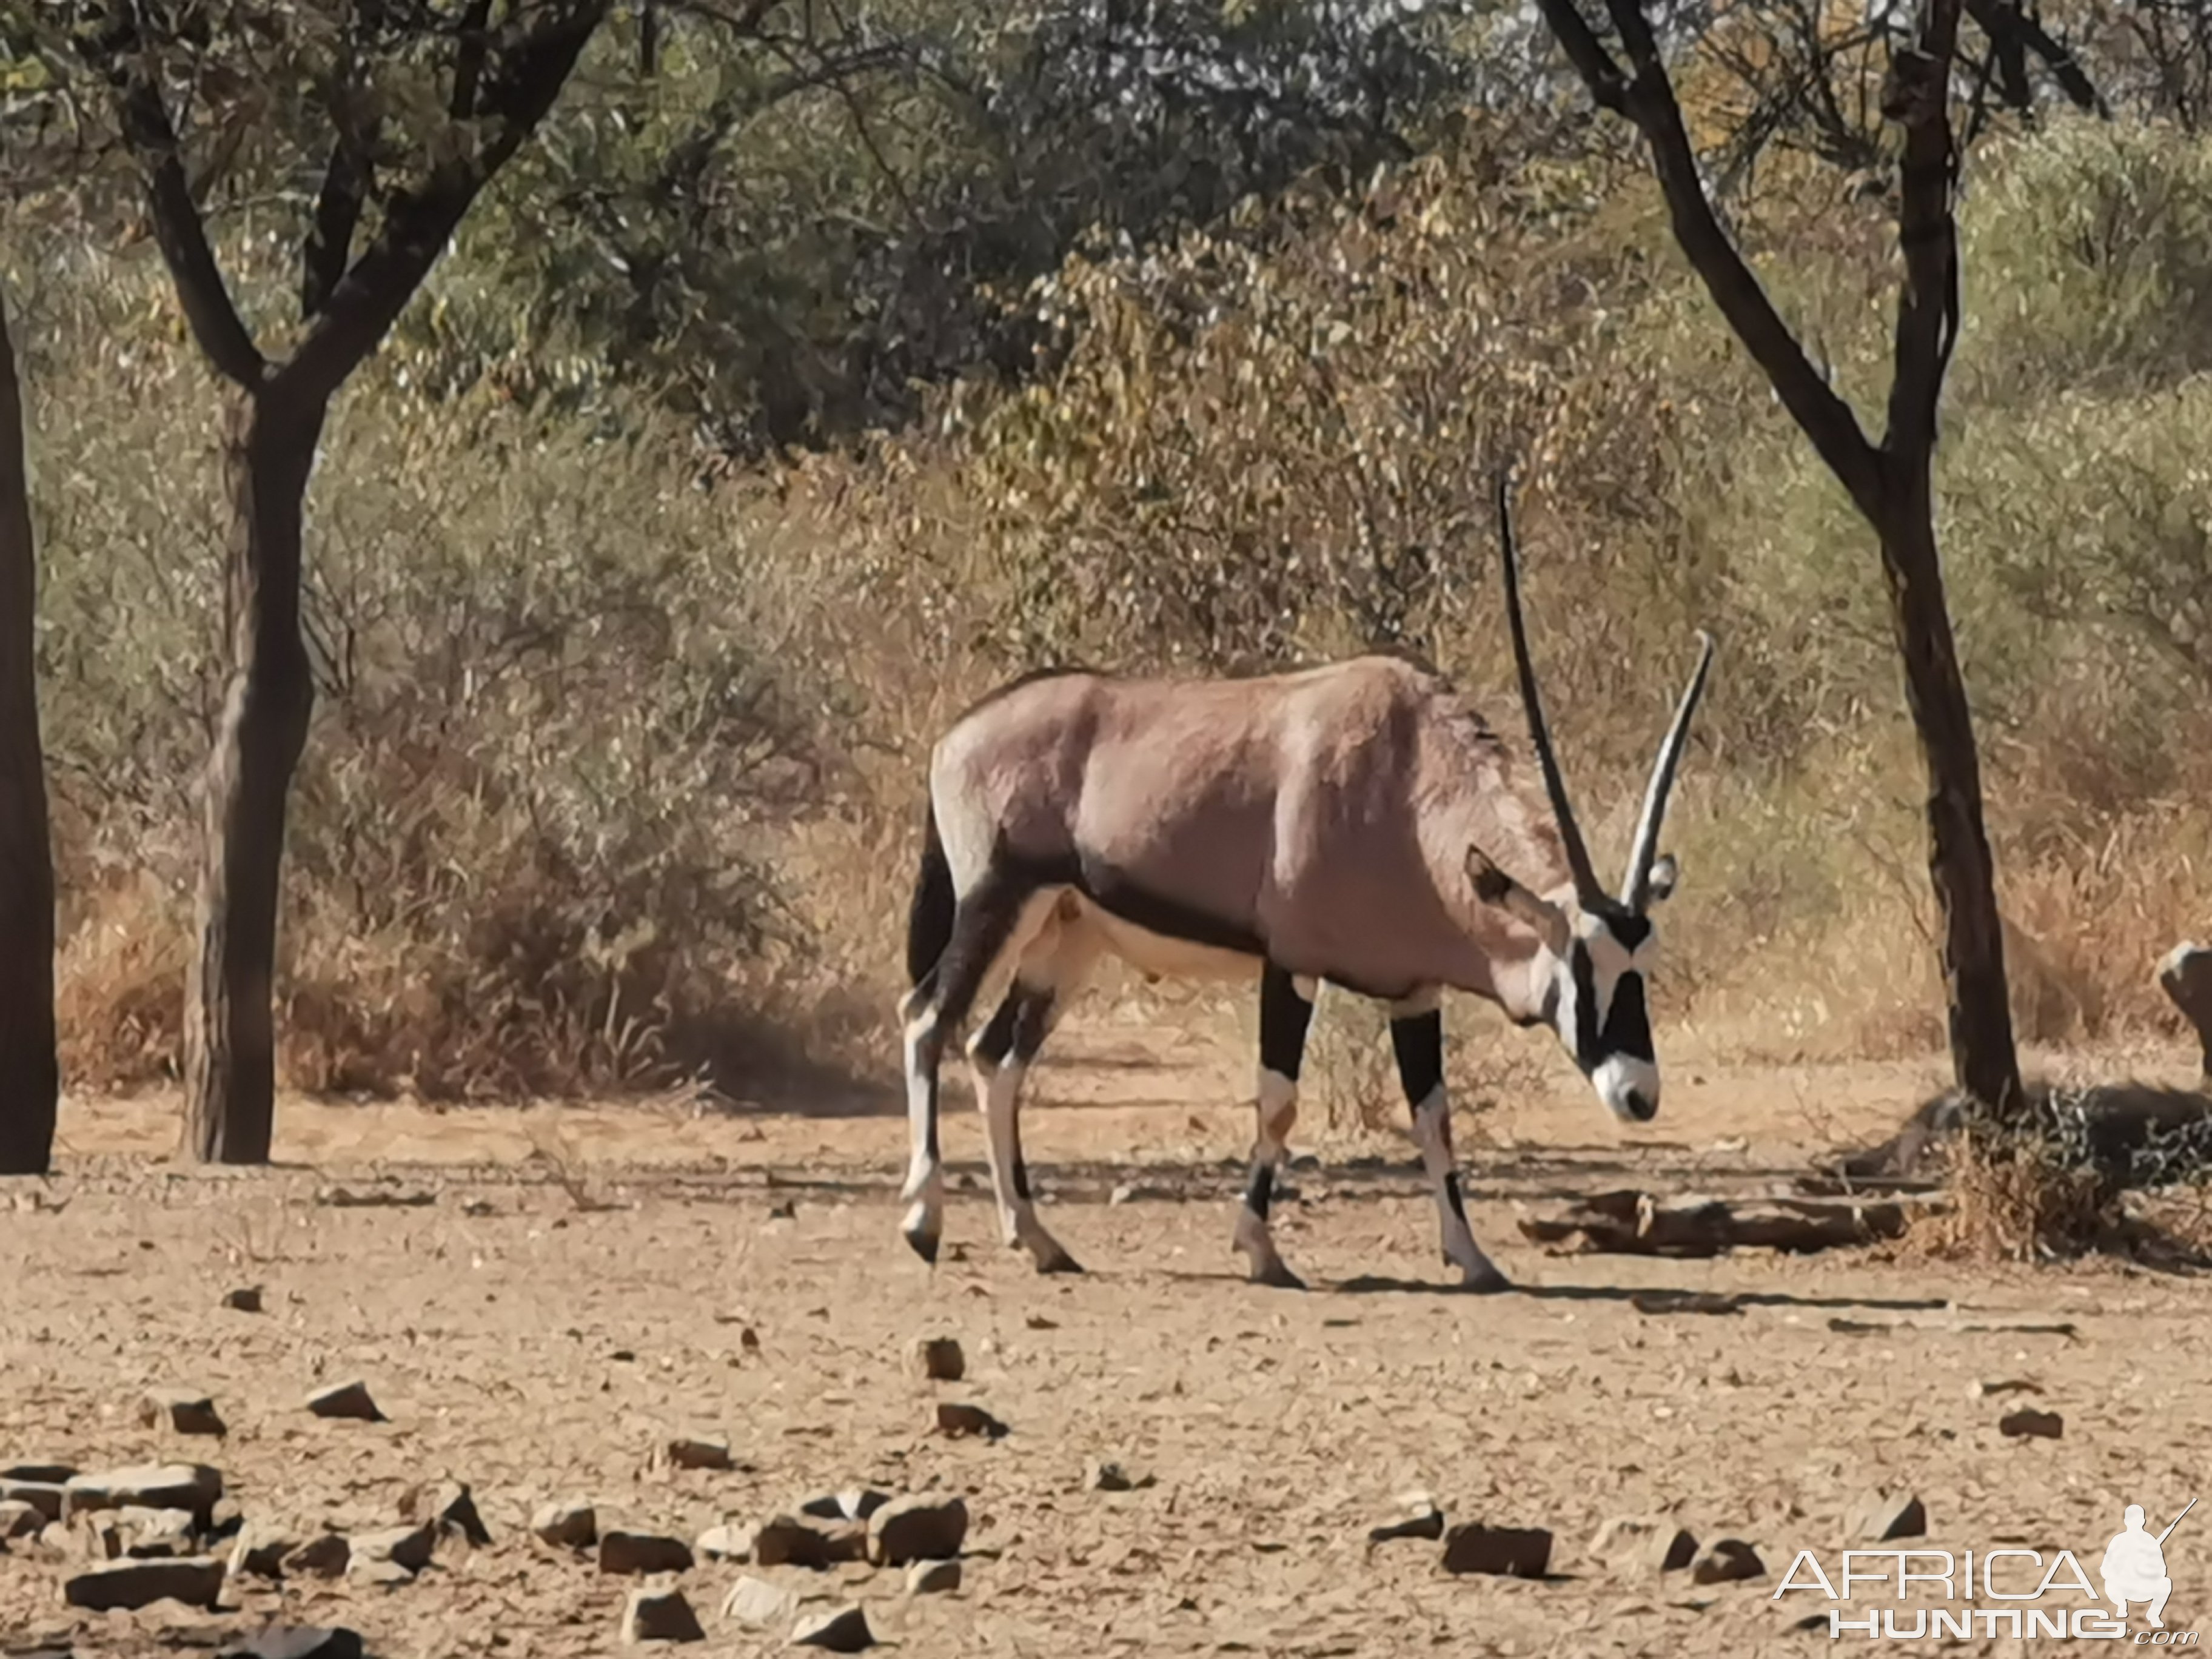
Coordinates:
<point>1664,874</point>
<point>1542,917</point>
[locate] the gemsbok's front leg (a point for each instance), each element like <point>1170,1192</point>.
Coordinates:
<point>1286,1010</point>
<point>1417,1036</point>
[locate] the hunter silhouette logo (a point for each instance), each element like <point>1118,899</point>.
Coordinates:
<point>2133,1567</point>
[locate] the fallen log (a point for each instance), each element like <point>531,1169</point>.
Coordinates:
<point>1630,1222</point>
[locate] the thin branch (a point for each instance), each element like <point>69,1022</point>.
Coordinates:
<point>2010,28</point>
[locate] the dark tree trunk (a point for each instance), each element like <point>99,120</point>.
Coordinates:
<point>30,1075</point>
<point>1983,1060</point>
<point>229,1013</point>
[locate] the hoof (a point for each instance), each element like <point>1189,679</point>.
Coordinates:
<point>1488,1282</point>
<point>1057,1260</point>
<point>1277,1277</point>
<point>923,1245</point>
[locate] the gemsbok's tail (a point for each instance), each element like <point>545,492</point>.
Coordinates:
<point>929,914</point>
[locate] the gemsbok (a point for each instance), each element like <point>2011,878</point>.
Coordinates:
<point>1358,823</point>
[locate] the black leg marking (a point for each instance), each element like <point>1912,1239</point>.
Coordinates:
<point>996,1041</point>
<point>1418,1042</point>
<point>1452,1196</point>
<point>1284,1016</point>
<point>1260,1192</point>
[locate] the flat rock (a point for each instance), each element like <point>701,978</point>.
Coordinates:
<point>938,1358</point>
<point>918,1528</point>
<point>115,1586</point>
<point>642,1551</point>
<point>191,1487</point>
<point>2032,1424</point>
<point>758,1604</point>
<point>1512,1552</point>
<point>447,1505</point>
<point>566,1524</point>
<point>1726,1562</point>
<point>323,1556</point>
<point>350,1401</point>
<point>698,1451</point>
<point>299,1642</point>
<point>410,1547</point>
<point>181,1411</point>
<point>659,1615</point>
<point>259,1550</point>
<point>44,1496</point>
<point>843,1631</point>
<point>958,1419</point>
<point>933,1577</point>
<point>1883,1516</point>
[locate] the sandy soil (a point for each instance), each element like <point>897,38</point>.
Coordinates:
<point>582,1284</point>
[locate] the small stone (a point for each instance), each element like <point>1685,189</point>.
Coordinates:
<point>1428,1525</point>
<point>246,1298</point>
<point>447,1505</point>
<point>114,1586</point>
<point>698,1452</point>
<point>958,1418</point>
<point>844,1630</point>
<point>1884,1515</point>
<point>345,1400</point>
<point>1512,1552</point>
<point>2042,1425</point>
<point>410,1547</point>
<point>659,1615</point>
<point>785,1540</point>
<point>758,1604</point>
<point>1988,1388</point>
<point>44,1496</point>
<point>324,1556</point>
<point>724,1541</point>
<point>191,1486</point>
<point>937,1358</point>
<point>642,1551</point>
<point>259,1550</point>
<point>299,1642</point>
<point>566,1524</point>
<point>1126,1192</point>
<point>1726,1562</point>
<point>184,1411</point>
<point>933,1577</point>
<point>18,1520</point>
<point>1102,1474</point>
<point>917,1529</point>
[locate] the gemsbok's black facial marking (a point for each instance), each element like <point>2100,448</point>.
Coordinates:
<point>1628,1022</point>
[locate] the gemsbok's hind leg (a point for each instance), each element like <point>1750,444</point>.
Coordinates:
<point>1417,1036</point>
<point>1049,975</point>
<point>986,918</point>
<point>1286,1010</point>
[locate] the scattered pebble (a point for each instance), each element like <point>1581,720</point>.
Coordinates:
<point>854,1503</point>
<point>447,1505</point>
<point>114,1586</point>
<point>1513,1552</point>
<point>246,1298</point>
<point>345,1400</point>
<point>1728,1561</point>
<point>917,1529</point>
<point>844,1630</point>
<point>259,1550</point>
<point>758,1604</point>
<point>937,1358</point>
<point>2028,1421</point>
<point>408,1548</point>
<point>1884,1515</point>
<point>1102,1474</point>
<point>958,1418</point>
<point>184,1411</point>
<point>699,1452</point>
<point>19,1520</point>
<point>643,1552</point>
<point>659,1615</point>
<point>323,1556</point>
<point>566,1524</point>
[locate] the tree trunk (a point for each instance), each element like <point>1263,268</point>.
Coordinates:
<point>1983,1057</point>
<point>230,1061</point>
<point>30,1074</point>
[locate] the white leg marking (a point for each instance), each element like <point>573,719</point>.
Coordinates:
<point>924,1193</point>
<point>1432,1129</point>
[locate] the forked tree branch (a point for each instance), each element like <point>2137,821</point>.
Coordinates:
<point>1646,97</point>
<point>516,83</point>
<point>179,229</point>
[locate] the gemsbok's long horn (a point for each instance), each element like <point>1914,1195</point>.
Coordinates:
<point>1635,891</point>
<point>2176,1522</point>
<point>1588,888</point>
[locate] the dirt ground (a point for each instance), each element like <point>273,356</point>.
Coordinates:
<point>580,1285</point>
